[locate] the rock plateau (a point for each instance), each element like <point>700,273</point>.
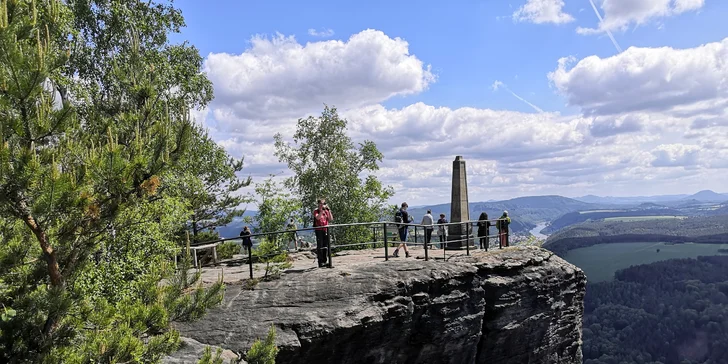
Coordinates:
<point>516,305</point>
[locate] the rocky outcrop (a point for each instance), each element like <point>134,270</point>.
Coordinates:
<point>517,305</point>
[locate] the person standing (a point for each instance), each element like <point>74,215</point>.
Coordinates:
<point>427,221</point>
<point>402,217</point>
<point>321,217</point>
<point>247,242</point>
<point>442,230</point>
<point>502,224</point>
<point>292,235</point>
<point>484,231</point>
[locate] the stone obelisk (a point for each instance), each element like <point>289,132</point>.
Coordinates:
<point>458,205</point>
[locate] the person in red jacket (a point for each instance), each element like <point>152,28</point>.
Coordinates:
<point>321,217</point>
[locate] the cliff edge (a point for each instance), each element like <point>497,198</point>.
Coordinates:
<point>516,305</point>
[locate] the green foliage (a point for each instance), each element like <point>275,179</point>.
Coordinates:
<point>227,249</point>
<point>275,207</point>
<point>209,182</point>
<point>327,164</point>
<point>667,312</point>
<point>208,358</point>
<point>274,256</point>
<point>264,352</point>
<point>94,132</point>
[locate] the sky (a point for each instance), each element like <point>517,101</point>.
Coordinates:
<point>540,97</point>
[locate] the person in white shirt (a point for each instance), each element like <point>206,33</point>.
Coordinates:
<point>427,221</point>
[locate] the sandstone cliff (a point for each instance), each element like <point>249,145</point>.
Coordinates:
<point>517,305</point>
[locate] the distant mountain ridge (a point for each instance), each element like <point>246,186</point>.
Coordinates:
<point>525,212</point>
<point>528,211</point>
<point>701,196</point>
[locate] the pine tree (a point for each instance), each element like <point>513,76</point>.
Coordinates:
<point>94,106</point>
<point>211,184</point>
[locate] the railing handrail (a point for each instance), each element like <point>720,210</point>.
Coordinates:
<point>214,242</point>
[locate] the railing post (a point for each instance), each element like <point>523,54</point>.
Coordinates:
<point>500,236</point>
<point>415,234</point>
<point>467,238</point>
<point>386,248</point>
<point>374,237</point>
<point>328,247</point>
<point>250,259</point>
<point>426,258</point>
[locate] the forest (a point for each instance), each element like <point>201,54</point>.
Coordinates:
<point>669,312</point>
<point>713,229</point>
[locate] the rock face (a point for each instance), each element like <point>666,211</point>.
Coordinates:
<point>517,305</point>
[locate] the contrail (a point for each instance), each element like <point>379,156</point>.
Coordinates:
<point>498,84</point>
<point>609,33</point>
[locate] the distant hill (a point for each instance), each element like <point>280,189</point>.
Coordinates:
<point>708,196</point>
<point>713,229</point>
<point>576,217</point>
<point>702,196</point>
<point>233,229</point>
<point>525,212</point>
<point>635,200</point>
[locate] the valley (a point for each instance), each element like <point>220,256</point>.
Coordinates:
<point>601,261</point>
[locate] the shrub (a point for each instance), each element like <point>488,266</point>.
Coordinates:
<point>264,352</point>
<point>227,249</point>
<point>275,258</point>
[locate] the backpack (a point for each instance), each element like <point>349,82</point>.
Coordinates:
<point>398,217</point>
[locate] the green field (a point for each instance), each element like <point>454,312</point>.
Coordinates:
<point>641,218</point>
<point>600,261</point>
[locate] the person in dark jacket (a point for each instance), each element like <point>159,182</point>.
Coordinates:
<point>502,224</point>
<point>442,231</point>
<point>484,230</point>
<point>403,217</point>
<point>247,242</point>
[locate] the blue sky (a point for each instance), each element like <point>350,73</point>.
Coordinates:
<point>469,45</point>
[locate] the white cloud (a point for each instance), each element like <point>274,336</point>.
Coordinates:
<point>680,81</point>
<point>324,33</point>
<point>543,11</point>
<point>676,155</point>
<point>279,77</point>
<point>620,14</point>
<point>652,117</point>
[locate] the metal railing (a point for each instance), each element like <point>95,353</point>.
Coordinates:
<point>385,229</point>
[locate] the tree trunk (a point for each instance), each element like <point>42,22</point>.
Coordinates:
<point>48,253</point>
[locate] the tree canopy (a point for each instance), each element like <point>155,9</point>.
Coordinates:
<point>327,164</point>
<point>95,138</point>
